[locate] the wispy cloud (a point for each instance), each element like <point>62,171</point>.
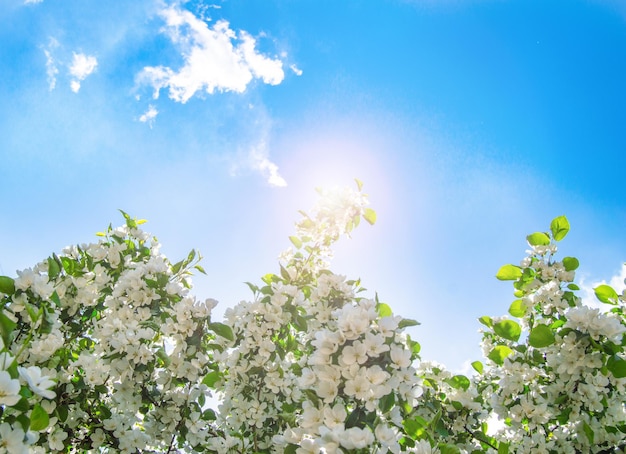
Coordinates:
<point>82,66</point>
<point>149,116</point>
<point>32,2</point>
<point>255,157</point>
<point>297,71</point>
<point>51,68</point>
<point>253,148</point>
<point>259,160</point>
<point>215,58</point>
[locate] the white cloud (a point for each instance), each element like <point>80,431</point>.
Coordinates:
<point>259,161</point>
<point>255,156</point>
<point>81,67</point>
<point>297,71</point>
<point>32,2</point>
<point>215,58</point>
<point>588,295</point>
<point>51,68</point>
<point>149,116</point>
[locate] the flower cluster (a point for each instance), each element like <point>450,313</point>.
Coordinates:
<point>314,367</point>
<point>356,381</point>
<point>103,349</point>
<point>562,387</point>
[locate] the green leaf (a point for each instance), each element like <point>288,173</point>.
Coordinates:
<point>458,382</point>
<point>359,183</point>
<point>284,273</point>
<point>517,309</point>
<point>415,426</point>
<point>528,277</point>
<point>22,405</point>
<point>617,366</point>
<point>559,227</point>
<point>503,448</point>
<point>209,415</point>
<point>414,346</point>
<point>508,329</point>
<point>211,378</point>
<point>299,323</point>
<point>222,330</point>
<point>606,294</point>
<point>384,310</point>
<point>387,402</point>
<point>297,242</point>
<point>7,285</point>
<point>6,328</point>
<point>355,418</point>
<point>269,278</point>
<point>448,449</point>
<point>541,336</point>
<point>478,366</point>
<point>509,273</point>
<point>538,239</point>
<point>53,268</point>
<point>70,266</point>
<point>370,216</point>
<point>163,356</point>
<point>32,311</point>
<point>62,412</point>
<point>499,354</point>
<point>570,263</point>
<point>199,268</point>
<point>405,322</point>
<point>176,267</point>
<point>588,432</point>
<point>39,418</point>
<point>130,222</point>
<point>486,320</point>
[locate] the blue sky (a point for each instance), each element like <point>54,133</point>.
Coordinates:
<point>471,122</point>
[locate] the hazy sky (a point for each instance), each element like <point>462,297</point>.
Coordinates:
<point>471,124</point>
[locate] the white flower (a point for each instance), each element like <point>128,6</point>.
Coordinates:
<point>353,321</point>
<point>307,446</point>
<point>12,440</point>
<point>335,416</point>
<point>55,440</point>
<point>375,344</point>
<point>595,323</point>
<point>311,417</point>
<point>401,357</point>
<point>9,389</point>
<point>6,359</point>
<point>388,325</point>
<point>388,437</point>
<point>326,342</point>
<point>423,447</point>
<point>25,279</point>
<point>357,438</point>
<point>359,387</point>
<point>39,384</point>
<point>355,353</point>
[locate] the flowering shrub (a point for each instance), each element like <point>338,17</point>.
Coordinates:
<point>562,387</point>
<point>103,349</point>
